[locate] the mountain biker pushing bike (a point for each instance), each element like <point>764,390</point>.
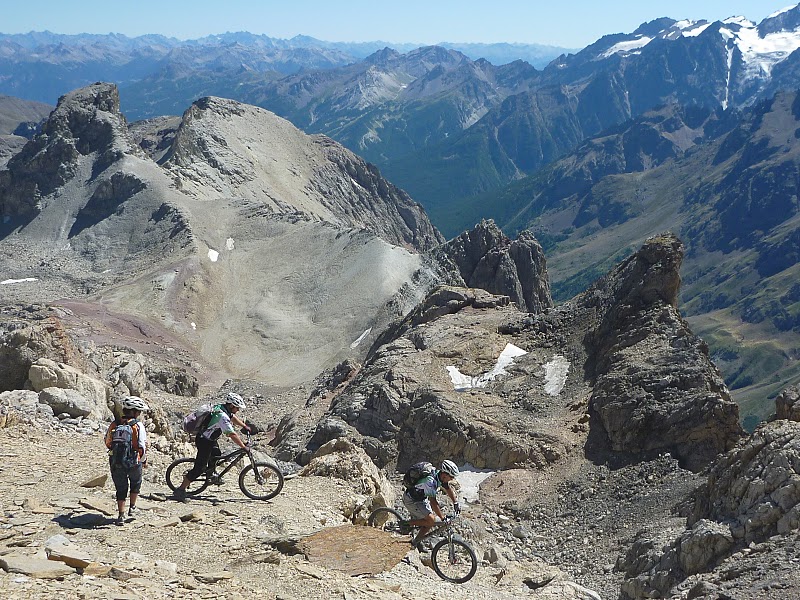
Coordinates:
<point>221,421</point>
<point>420,500</point>
<point>126,440</point>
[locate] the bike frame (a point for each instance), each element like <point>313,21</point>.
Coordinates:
<point>232,458</point>
<point>443,526</point>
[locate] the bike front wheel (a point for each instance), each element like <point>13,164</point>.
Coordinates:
<point>388,519</point>
<point>178,470</point>
<point>454,560</point>
<point>262,483</point>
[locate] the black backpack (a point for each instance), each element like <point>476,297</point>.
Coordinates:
<point>123,453</point>
<point>416,473</point>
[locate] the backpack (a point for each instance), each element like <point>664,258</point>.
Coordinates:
<point>416,473</point>
<point>124,445</point>
<point>197,421</point>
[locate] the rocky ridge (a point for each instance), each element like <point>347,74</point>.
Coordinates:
<point>234,188</point>
<point>621,350</point>
<point>566,513</point>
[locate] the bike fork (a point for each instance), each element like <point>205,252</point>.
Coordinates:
<point>259,477</point>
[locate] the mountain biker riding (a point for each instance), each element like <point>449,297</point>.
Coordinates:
<point>221,421</point>
<point>420,500</point>
<point>127,466</point>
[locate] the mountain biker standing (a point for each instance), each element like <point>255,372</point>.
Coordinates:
<point>420,500</point>
<point>127,454</point>
<point>221,421</point>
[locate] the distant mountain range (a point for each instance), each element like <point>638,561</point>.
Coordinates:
<point>673,126</point>
<point>43,65</point>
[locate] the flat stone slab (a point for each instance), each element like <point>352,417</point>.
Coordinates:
<point>96,481</point>
<point>62,550</point>
<point>101,506</point>
<point>35,567</point>
<point>213,577</point>
<point>354,549</point>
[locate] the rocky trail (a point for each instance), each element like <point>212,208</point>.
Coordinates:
<point>57,501</point>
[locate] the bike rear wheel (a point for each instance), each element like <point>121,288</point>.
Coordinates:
<point>388,519</point>
<point>178,470</point>
<point>454,560</point>
<point>263,483</point>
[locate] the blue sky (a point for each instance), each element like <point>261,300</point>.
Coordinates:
<point>567,23</point>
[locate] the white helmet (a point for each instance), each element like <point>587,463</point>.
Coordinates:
<point>449,467</point>
<point>134,403</point>
<point>234,400</point>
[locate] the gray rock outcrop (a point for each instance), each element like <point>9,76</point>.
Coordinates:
<point>22,343</point>
<point>426,389</point>
<point>756,487</point>
<point>486,258</point>
<point>787,404</point>
<point>45,373</point>
<point>655,387</point>
<point>751,497</point>
<point>85,121</point>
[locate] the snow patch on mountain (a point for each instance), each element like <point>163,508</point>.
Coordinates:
<point>627,46</point>
<point>694,28</point>
<point>781,11</point>
<point>759,54</point>
<point>463,382</point>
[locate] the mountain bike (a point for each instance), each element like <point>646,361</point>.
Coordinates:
<point>258,480</point>
<point>453,559</point>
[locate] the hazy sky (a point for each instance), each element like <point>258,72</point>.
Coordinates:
<point>567,23</point>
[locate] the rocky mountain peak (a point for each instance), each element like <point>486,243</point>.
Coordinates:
<point>85,122</point>
<point>243,151</point>
<point>654,27</point>
<point>636,310</point>
<point>486,258</point>
<point>785,20</point>
<point>382,57</point>
<point>651,275</point>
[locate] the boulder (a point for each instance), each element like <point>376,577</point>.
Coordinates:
<point>787,404</point>
<point>45,373</point>
<point>129,376</point>
<point>23,343</point>
<point>342,459</point>
<point>700,547</point>
<point>66,401</point>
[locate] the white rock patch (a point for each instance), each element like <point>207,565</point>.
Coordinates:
<point>555,375</point>
<point>360,338</point>
<point>463,382</point>
<point>229,245</point>
<point>213,255</point>
<point>10,281</point>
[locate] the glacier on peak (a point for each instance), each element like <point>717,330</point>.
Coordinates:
<point>777,13</point>
<point>759,52</point>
